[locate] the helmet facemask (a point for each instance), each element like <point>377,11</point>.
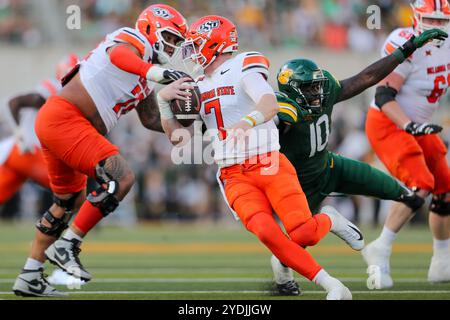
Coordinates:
<point>311,94</point>
<point>428,21</point>
<point>160,46</point>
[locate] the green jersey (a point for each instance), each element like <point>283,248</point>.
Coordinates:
<point>305,143</point>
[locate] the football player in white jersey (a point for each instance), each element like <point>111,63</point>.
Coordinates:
<point>20,155</point>
<point>239,106</point>
<point>399,129</point>
<point>114,79</point>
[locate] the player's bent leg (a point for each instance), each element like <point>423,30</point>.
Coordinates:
<point>31,282</point>
<point>10,183</point>
<point>291,206</point>
<point>115,179</point>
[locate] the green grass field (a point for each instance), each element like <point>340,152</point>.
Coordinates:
<point>215,262</point>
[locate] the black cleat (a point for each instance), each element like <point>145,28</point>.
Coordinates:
<point>288,289</point>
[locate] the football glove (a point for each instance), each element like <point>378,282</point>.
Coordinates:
<point>165,76</point>
<point>417,129</point>
<point>415,43</point>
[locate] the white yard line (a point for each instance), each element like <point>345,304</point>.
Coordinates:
<point>240,292</point>
<point>217,280</point>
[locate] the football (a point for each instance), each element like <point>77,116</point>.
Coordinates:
<point>186,111</point>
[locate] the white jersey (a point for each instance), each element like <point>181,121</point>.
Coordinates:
<point>426,73</point>
<point>46,89</point>
<point>115,92</point>
<point>225,103</point>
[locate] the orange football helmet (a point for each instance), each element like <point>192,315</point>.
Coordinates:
<point>65,65</point>
<point>159,18</point>
<point>208,38</point>
<point>430,14</point>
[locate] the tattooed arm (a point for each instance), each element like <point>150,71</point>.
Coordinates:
<point>148,112</point>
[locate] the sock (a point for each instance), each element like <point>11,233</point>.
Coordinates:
<point>441,247</point>
<point>88,217</point>
<point>324,280</point>
<point>387,237</point>
<point>32,264</point>
<point>69,235</point>
<point>264,226</point>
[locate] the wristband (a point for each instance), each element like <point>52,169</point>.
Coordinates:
<point>255,118</point>
<point>164,108</point>
<point>155,74</point>
<point>405,51</point>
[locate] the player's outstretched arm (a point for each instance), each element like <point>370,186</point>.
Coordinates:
<point>382,68</point>
<point>176,90</point>
<point>32,100</point>
<point>148,112</point>
<point>128,58</point>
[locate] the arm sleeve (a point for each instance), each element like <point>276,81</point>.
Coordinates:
<point>256,86</point>
<point>126,60</point>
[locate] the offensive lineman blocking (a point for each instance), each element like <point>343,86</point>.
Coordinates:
<point>110,82</point>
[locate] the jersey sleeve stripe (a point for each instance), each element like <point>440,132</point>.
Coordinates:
<point>389,48</point>
<point>289,112</point>
<point>258,60</point>
<point>135,35</point>
<point>127,38</point>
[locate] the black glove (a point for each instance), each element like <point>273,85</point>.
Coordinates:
<point>173,75</point>
<point>417,129</point>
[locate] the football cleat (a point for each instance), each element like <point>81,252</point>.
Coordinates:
<point>344,229</point>
<point>339,292</point>
<point>64,254</point>
<point>284,279</point>
<point>32,283</point>
<point>439,269</point>
<point>377,258</point>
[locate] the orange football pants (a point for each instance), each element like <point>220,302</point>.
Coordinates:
<point>416,161</point>
<point>253,195</point>
<point>72,147</point>
<point>18,168</point>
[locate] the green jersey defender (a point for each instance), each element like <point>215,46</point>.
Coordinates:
<point>307,97</point>
<point>306,100</point>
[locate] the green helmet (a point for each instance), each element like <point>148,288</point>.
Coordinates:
<point>304,82</point>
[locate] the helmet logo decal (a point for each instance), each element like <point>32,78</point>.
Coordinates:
<point>162,13</point>
<point>208,26</point>
<point>285,76</point>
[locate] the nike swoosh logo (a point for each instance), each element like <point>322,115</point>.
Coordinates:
<point>35,287</point>
<point>223,72</point>
<point>357,231</point>
<point>62,255</point>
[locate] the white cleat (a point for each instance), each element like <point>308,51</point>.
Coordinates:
<point>344,229</point>
<point>339,292</point>
<point>439,271</point>
<point>377,257</point>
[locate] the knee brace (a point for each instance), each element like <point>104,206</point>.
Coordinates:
<point>104,197</point>
<point>440,205</point>
<point>411,199</point>
<point>58,225</point>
